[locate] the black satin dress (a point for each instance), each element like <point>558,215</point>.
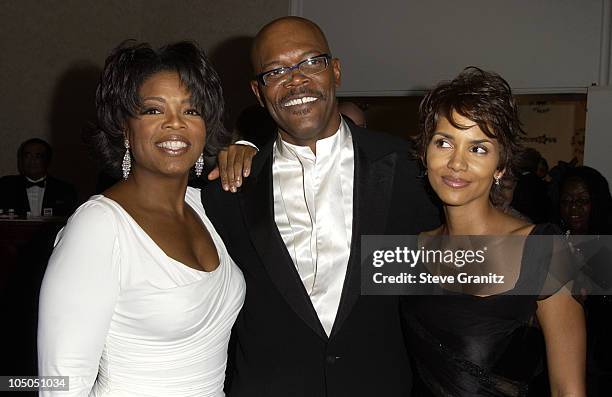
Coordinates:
<point>465,345</point>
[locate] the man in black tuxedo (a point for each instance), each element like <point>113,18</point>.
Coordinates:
<point>34,190</point>
<point>295,226</point>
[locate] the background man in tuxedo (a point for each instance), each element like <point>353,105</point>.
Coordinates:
<point>295,228</point>
<point>33,189</point>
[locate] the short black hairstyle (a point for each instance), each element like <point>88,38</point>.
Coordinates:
<point>36,141</point>
<point>483,97</point>
<point>117,97</point>
<point>600,221</point>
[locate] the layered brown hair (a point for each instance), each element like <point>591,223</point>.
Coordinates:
<point>482,97</point>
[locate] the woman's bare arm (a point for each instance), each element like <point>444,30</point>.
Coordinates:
<point>562,320</point>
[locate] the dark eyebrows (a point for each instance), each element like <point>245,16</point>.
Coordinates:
<point>473,142</point>
<point>265,67</point>
<point>304,56</point>
<point>479,141</point>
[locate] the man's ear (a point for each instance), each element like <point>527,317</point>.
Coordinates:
<point>255,89</point>
<point>337,71</point>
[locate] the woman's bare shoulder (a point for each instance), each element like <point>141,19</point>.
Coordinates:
<point>521,227</point>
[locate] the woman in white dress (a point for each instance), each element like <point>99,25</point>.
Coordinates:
<point>140,294</point>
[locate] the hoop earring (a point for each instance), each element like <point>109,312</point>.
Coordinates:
<point>199,165</point>
<point>126,165</point>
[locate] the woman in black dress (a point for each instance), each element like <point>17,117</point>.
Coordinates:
<point>483,343</point>
<point>585,208</point>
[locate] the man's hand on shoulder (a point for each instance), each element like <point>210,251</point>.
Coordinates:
<point>234,163</point>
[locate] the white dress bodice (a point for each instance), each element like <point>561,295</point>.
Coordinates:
<point>122,318</point>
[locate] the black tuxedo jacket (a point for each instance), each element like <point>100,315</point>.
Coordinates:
<point>59,195</point>
<point>279,347</point>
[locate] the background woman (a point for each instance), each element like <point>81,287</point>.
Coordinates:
<point>585,208</point>
<point>482,344</point>
<point>140,294</point>
<point>585,205</point>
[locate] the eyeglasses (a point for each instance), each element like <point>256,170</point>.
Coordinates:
<point>307,67</point>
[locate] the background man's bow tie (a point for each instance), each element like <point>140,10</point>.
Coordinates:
<point>39,183</point>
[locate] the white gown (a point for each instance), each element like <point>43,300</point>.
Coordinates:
<point>121,318</point>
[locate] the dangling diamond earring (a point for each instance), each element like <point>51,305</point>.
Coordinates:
<point>199,165</point>
<point>126,165</point>
<point>497,178</point>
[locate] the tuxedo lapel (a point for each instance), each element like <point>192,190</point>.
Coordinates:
<point>23,192</point>
<point>257,203</point>
<point>371,199</point>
